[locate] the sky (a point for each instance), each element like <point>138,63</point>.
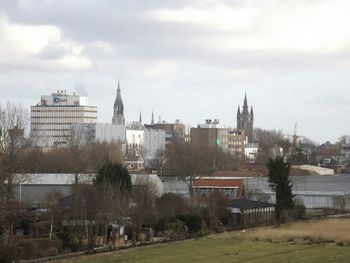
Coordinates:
<point>187,60</point>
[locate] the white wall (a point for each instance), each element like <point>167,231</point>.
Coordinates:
<point>109,132</point>
<point>151,140</point>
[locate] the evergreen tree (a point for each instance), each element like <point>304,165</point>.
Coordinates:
<point>114,175</point>
<point>280,183</point>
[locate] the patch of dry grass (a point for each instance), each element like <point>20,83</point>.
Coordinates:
<point>313,231</point>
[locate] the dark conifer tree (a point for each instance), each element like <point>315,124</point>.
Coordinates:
<point>280,183</point>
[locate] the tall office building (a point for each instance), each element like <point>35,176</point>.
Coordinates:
<point>53,117</point>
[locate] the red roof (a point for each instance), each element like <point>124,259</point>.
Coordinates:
<point>214,182</point>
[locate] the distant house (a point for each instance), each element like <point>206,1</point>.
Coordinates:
<point>135,163</point>
<point>230,187</point>
<point>332,162</point>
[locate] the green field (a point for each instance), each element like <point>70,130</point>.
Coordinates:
<point>224,248</point>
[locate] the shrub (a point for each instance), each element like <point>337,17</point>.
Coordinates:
<point>193,222</point>
<point>30,248</point>
<point>9,253</point>
<point>70,240</point>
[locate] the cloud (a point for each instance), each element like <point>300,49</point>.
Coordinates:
<point>39,46</point>
<point>185,59</point>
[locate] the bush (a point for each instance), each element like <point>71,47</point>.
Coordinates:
<point>30,248</point>
<point>193,222</point>
<point>70,240</point>
<point>9,253</point>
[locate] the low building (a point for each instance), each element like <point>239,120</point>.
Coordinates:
<point>249,213</point>
<point>309,170</point>
<point>35,188</point>
<point>230,187</point>
<point>135,163</point>
<point>313,191</point>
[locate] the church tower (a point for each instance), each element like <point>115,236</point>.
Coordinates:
<point>245,120</point>
<point>118,111</point>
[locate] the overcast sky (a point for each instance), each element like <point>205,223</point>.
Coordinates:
<point>187,60</point>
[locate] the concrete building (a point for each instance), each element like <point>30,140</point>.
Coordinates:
<point>110,132</point>
<point>210,134</point>
<point>174,132</point>
<point>144,142</point>
<point>236,141</point>
<point>52,118</point>
<point>251,152</point>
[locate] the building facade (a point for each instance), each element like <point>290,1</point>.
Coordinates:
<point>106,132</point>
<point>174,132</point>
<point>144,142</point>
<point>236,142</point>
<point>210,134</point>
<point>52,118</point>
<point>245,120</point>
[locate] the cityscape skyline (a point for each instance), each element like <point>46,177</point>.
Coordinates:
<point>189,60</point>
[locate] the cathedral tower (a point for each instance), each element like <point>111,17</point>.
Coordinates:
<point>118,110</point>
<point>245,120</point>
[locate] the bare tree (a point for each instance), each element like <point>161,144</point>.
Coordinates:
<point>161,160</point>
<point>101,153</point>
<point>14,122</point>
<point>78,144</point>
<point>189,161</point>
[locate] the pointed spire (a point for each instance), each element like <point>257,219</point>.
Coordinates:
<point>118,110</point>
<point>140,119</point>
<point>251,110</point>
<point>152,121</point>
<point>245,100</point>
<point>239,110</point>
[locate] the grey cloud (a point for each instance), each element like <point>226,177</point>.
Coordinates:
<point>51,52</point>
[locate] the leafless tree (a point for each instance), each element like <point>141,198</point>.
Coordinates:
<point>14,122</point>
<point>100,153</point>
<point>161,160</point>
<point>189,161</point>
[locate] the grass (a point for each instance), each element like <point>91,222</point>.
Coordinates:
<point>289,246</point>
<point>316,231</point>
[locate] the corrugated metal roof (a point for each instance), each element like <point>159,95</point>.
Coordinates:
<point>308,184</point>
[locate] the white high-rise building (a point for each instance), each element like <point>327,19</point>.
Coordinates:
<point>53,117</point>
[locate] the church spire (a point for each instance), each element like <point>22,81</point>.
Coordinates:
<point>118,110</point>
<point>140,118</point>
<point>245,104</point>
<point>152,121</point>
